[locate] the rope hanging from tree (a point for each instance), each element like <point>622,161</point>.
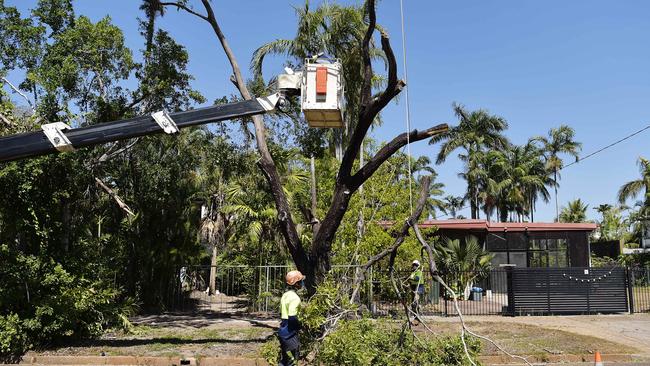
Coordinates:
<point>408,109</point>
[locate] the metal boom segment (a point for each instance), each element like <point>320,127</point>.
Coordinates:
<point>31,144</point>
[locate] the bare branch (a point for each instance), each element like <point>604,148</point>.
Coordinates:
<point>390,148</point>
<point>393,86</point>
<point>115,197</point>
<point>16,90</point>
<point>111,155</point>
<point>186,8</point>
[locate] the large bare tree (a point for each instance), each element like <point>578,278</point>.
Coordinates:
<point>315,261</point>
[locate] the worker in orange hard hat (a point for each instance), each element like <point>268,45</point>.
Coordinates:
<point>290,325</point>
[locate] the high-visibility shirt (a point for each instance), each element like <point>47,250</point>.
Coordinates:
<point>289,305</point>
<point>417,280</point>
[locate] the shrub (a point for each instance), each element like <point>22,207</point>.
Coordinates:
<point>42,304</point>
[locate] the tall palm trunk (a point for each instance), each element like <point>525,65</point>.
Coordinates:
<point>557,207</point>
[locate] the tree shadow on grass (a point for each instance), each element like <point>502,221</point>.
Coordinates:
<point>198,319</point>
<point>118,343</point>
<point>172,340</point>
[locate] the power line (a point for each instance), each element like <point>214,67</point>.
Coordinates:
<point>607,147</point>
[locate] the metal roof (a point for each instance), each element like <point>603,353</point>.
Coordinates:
<point>490,226</point>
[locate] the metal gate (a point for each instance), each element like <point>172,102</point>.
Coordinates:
<point>573,290</point>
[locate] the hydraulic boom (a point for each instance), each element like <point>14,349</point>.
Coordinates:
<point>31,144</point>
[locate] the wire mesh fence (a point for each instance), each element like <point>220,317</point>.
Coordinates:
<point>256,290</point>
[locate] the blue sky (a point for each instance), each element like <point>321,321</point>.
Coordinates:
<point>536,63</point>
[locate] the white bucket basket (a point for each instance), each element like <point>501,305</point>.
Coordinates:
<point>322,93</point>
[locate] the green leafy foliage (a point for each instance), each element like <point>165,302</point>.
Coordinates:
<point>42,303</point>
<point>367,342</point>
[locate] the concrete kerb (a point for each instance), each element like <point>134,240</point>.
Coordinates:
<point>140,360</point>
<point>223,361</point>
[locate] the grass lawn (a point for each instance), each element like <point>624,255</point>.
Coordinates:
<point>526,339</point>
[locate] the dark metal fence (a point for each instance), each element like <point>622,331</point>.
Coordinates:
<point>571,290</point>
<point>256,290</point>
<point>639,289</point>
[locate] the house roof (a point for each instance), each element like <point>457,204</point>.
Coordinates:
<point>491,226</point>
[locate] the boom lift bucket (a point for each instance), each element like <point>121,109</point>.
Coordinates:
<point>321,93</point>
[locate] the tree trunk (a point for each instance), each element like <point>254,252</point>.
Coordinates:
<point>314,198</point>
<point>472,200</point>
<point>504,214</point>
<point>322,245</point>
<point>316,263</point>
<point>557,207</point>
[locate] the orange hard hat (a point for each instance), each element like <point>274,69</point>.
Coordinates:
<point>293,277</point>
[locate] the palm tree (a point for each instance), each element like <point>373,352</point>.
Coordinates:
<point>453,204</point>
<point>633,188</point>
<point>476,131</point>
<point>151,8</point>
<point>525,180</point>
<point>559,141</point>
<point>575,211</point>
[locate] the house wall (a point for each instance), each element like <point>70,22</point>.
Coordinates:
<point>532,249</point>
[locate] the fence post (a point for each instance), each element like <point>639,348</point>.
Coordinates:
<point>370,294</point>
<point>447,294</point>
<point>630,289</point>
<point>511,290</point>
<point>266,297</point>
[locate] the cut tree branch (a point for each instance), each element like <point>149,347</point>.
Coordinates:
<point>390,148</point>
<point>115,197</point>
<point>464,329</point>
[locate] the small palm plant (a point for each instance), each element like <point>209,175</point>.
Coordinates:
<point>463,262</point>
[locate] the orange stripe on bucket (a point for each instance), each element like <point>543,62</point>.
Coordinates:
<point>321,80</point>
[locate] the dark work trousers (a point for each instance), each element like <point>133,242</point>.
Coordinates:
<point>289,351</point>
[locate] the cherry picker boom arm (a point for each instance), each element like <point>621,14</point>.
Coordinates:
<point>31,144</point>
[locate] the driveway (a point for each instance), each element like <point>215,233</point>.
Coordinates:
<point>631,330</point>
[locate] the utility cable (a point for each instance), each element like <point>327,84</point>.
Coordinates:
<point>607,147</point>
<point>408,108</point>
